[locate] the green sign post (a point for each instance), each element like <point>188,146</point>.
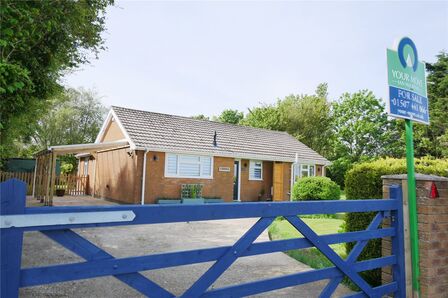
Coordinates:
<point>408,100</point>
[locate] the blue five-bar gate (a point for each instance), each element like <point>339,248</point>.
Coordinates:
<point>57,222</point>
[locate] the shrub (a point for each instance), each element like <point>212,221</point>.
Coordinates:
<point>337,170</point>
<point>67,168</point>
<point>363,181</point>
<point>315,188</point>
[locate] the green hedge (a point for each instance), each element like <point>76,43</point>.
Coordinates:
<point>363,181</point>
<point>315,188</point>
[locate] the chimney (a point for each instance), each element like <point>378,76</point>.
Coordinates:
<point>214,140</point>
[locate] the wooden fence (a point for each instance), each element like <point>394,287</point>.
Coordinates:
<point>27,177</point>
<point>73,184</point>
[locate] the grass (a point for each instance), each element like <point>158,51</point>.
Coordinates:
<point>282,229</point>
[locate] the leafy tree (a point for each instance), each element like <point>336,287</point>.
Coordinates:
<point>322,90</point>
<point>309,119</point>
<point>265,116</point>
<point>362,132</point>
<point>362,128</point>
<point>230,116</point>
<point>433,139</point>
<point>200,117</point>
<point>75,118</point>
<point>39,41</point>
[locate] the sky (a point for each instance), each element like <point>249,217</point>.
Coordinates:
<point>189,58</point>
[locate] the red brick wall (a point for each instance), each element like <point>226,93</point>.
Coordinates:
<point>433,238</point>
<point>159,186</point>
<point>251,189</point>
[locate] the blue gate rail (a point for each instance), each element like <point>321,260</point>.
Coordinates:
<point>57,222</point>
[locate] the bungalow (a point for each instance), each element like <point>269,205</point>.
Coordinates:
<point>158,153</point>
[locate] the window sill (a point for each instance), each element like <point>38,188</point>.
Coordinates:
<point>189,177</point>
<point>254,179</point>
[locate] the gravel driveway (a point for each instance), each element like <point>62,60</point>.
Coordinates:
<point>148,239</point>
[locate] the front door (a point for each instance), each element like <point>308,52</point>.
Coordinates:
<point>278,182</point>
<point>236,180</point>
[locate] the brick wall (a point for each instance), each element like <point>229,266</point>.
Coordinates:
<point>158,186</point>
<point>433,234</point>
<point>251,189</point>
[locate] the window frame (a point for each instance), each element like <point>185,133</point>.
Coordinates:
<point>252,163</point>
<point>301,168</point>
<point>178,158</point>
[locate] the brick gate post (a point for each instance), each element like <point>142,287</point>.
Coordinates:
<point>433,233</point>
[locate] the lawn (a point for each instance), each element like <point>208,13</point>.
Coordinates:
<point>282,229</point>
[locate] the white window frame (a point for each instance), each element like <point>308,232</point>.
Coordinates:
<point>177,175</point>
<point>252,164</point>
<point>301,168</point>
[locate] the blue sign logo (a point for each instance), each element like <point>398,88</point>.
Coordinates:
<point>404,62</point>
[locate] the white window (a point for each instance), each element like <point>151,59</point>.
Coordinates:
<point>303,170</point>
<point>256,170</point>
<point>188,166</point>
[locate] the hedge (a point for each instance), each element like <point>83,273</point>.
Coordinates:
<point>315,188</point>
<point>363,181</point>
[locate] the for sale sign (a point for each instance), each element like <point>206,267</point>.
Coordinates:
<point>408,97</point>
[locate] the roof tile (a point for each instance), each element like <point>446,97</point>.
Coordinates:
<point>156,131</point>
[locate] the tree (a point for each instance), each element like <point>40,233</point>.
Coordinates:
<point>75,118</point>
<point>265,116</point>
<point>432,139</point>
<point>309,119</point>
<point>362,132</point>
<point>39,41</point>
<point>200,117</point>
<point>362,128</point>
<point>230,116</point>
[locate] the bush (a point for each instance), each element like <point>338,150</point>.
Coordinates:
<point>67,168</point>
<point>337,170</point>
<point>315,188</point>
<point>363,181</point>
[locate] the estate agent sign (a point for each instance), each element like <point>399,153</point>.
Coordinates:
<point>407,83</point>
<point>408,99</point>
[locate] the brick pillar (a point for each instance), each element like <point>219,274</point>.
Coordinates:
<point>433,234</point>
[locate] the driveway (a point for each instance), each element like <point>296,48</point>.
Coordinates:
<point>148,239</point>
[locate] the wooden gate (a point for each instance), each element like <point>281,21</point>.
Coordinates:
<point>58,223</point>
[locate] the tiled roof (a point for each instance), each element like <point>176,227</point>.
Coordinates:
<point>162,132</point>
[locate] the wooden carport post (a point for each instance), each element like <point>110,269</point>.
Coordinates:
<point>52,175</point>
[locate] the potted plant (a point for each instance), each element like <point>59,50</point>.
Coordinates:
<point>194,194</point>
<point>60,191</point>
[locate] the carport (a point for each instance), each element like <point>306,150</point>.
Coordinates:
<point>45,171</point>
